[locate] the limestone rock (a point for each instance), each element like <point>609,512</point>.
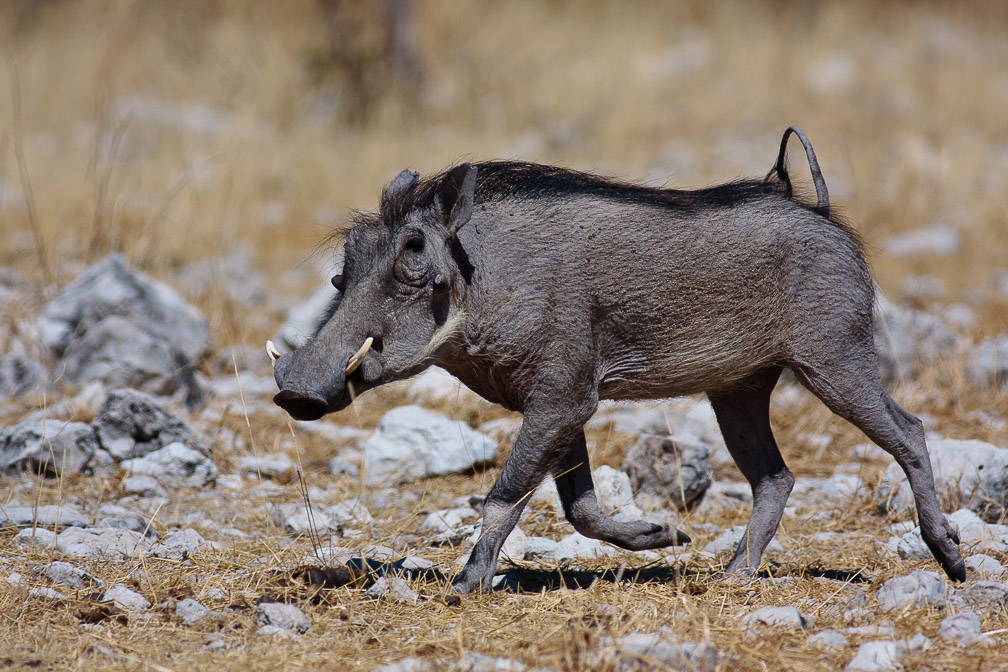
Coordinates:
<point>411,443</point>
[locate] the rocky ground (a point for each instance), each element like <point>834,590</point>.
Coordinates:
<point>158,508</point>
<point>157,511</point>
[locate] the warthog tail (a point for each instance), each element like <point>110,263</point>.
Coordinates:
<point>780,170</point>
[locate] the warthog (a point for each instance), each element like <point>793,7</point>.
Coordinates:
<point>545,289</point>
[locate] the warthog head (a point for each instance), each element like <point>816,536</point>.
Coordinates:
<point>398,297</point>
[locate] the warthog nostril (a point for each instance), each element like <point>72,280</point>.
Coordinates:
<point>301,406</point>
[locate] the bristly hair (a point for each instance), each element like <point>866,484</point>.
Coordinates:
<point>498,180</point>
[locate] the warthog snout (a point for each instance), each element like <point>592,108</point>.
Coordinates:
<point>300,392</point>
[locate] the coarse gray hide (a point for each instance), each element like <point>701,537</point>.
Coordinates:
<point>545,290</point>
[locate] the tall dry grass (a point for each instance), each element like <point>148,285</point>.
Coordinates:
<point>175,132</point>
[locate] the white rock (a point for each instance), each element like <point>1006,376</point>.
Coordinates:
<point>190,611</point>
<point>330,555</point>
<point>215,593</point>
<point>885,655</point>
<point>971,474</point>
<point>917,589</point>
<point>409,664</point>
<point>113,515</point>
<point>437,386</point>
<point>977,536</point>
<point>614,494</point>
<point>283,616</point>
<point>379,553</point>
<point>47,515</point>
<point>729,540</point>
<point>47,446</point>
<point>503,429</point>
<point>393,588</point>
<point>101,543</point>
<point>414,563</point>
<point>38,536</point>
<point>68,575</point>
<point>274,465</point>
<point>964,625</point>
<point>337,435</point>
<point>907,339</point>
<point>411,443</point>
<point>513,548</point>
<point>303,319</point>
<point>843,487</point>
<point>230,482</point>
<point>463,510</point>
<point>348,512</point>
<point>175,463</point>
<point>110,292</point>
<point>884,629</point>
<point>982,595</point>
<point>546,495</point>
<point>132,424</point>
<point>876,656</point>
<point>182,544</point>
<point>295,519</point>
<point>19,373</point>
<point>443,520</point>
<point>578,547</point>
<point>787,618</point>
<point>275,631</point>
<point>666,652</point>
<point>124,598</point>
<point>828,639</point>
<point>341,466</point>
<point>909,546</point>
<point>986,566</point>
<point>677,468</point>
<point>540,548</point>
<point>47,594</point>
<point>143,485</point>
<point>470,661</point>
<point>235,274</point>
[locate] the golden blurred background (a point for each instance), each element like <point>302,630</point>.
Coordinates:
<point>188,131</point>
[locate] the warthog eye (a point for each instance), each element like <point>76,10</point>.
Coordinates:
<point>415,243</point>
<point>412,265</point>
<point>337,281</point>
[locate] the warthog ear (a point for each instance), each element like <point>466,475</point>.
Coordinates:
<point>400,184</point>
<point>457,191</point>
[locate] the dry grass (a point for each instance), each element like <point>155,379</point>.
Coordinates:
<point>175,131</point>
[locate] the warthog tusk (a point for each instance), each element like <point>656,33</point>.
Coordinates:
<point>272,351</point>
<point>358,357</point>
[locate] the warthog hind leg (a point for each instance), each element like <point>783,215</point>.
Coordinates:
<point>744,417</point>
<point>857,395</point>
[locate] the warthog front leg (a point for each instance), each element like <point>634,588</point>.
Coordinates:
<point>577,493</point>
<point>543,438</point>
